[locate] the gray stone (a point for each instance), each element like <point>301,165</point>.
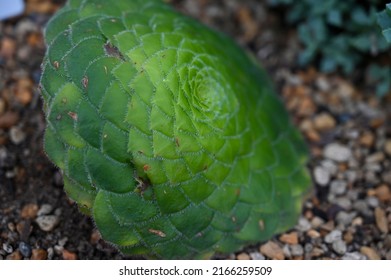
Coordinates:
<point>330,166</point>
<point>333,236</point>
<point>257,256</point>
<point>303,224</point>
<point>339,246</point>
<point>345,218</point>
<point>344,202</point>
<point>373,201</point>
<point>45,209</point>
<point>47,222</point>
<point>296,250</point>
<point>7,248</point>
<point>17,135</point>
<point>321,175</point>
<point>337,152</point>
<point>338,187</point>
<point>354,256</point>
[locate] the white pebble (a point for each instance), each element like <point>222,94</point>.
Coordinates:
<point>337,152</point>
<point>47,223</point>
<point>321,175</point>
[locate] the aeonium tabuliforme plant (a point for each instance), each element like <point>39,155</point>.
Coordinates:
<point>167,133</point>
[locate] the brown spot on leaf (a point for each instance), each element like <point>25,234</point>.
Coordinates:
<point>56,64</point>
<point>157,232</point>
<point>84,81</point>
<point>261,225</point>
<point>146,167</point>
<point>113,51</point>
<point>73,115</point>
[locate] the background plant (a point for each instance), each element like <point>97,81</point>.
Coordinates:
<point>340,35</point>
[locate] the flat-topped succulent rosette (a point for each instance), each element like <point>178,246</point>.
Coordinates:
<point>168,134</point>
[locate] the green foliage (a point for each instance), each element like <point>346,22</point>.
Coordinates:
<point>384,20</point>
<point>338,34</point>
<point>168,134</point>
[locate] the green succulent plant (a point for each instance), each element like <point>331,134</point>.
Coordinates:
<point>168,134</point>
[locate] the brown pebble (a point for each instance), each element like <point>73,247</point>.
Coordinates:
<point>312,135</point>
<point>95,237</point>
<point>387,147</point>
<point>16,255</point>
<point>383,193</point>
<point>7,48</point>
<point>313,233</point>
<point>317,252</point>
<point>24,229</point>
<point>23,92</point>
<point>370,253</point>
<point>381,220</point>
<point>29,211</point>
<point>348,237</point>
<point>68,255</point>
<point>290,238</point>
<point>243,256</point>
<point>272,250</point>
<point>39,254</point>
<point>8,120</point>
<point>367,139</point>
<point>324,122</point>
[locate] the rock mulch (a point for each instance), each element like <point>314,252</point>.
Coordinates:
<point>348,130</point>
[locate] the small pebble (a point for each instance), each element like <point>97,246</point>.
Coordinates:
<point>257,256</point>
<point>317,222</point>
<point>321,175</point>
<point>337,152</point>
<point>353,256</point>
<point>374,158</point>
<point>17,135</point>
<point>45,209</point>
<point>338,187</point>
<point>7,248</point>
<point>367,139</point>
<point>39,254</point>
<point>290,238</point>
<point>372,201</point>
<point>313,233</point>
<point>272,250</point>
<point>345,218</point>
<point>333,236</point>
<point>331,167</point>
<point>296,250</point>
<point>48,222</point>
<point>50,252</point>
<point>324,121</point>
<point>303,225</point>
<point>387,147</point>
<point>25,249</point>
<point>8,120</point>
<point>381,220</point>
<point>68,255</point>
<point>15,256</point>
<point>243,256</point>
<point>383,193</point>
<point>29,211</point>
<point>339,246</point>
<point>370,253</point>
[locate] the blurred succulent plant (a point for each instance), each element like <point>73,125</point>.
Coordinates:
<point>168,134</point>
<point>340,35</point>
<point>384,20</point>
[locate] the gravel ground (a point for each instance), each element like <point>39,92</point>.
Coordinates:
<point>348,130</point>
